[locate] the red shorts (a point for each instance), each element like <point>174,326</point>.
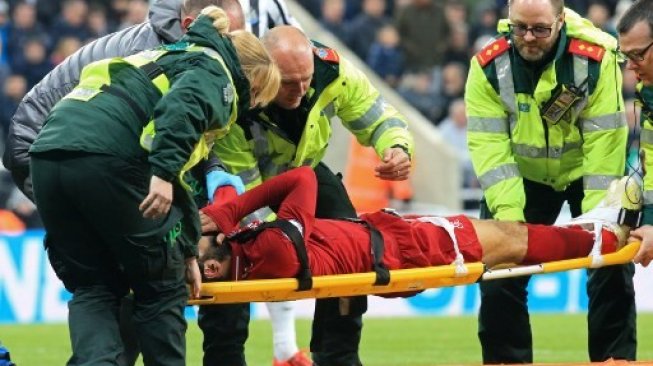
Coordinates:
<point>412,243</point>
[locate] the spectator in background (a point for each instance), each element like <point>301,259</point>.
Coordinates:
<point>485,23</point>
<point>14,88</point>
<point>98,24</point>
<point>599,14</point>
<point>386,57</point>
<point>65,47</point>
<point>333,18</point>
<point>136,13</point>
<point>454,131</point>
<point>4,33</point>
<point>24,26</point>
<point>454,76</point>
<point>34,63</point>
<point>118,10</point>
<point>418,23</point>
<point>71,22</point>
<point>458,47</point>
<point>456,14</point>
<point>417,89</point>
<point>366,25</point>
<point>314,7</point>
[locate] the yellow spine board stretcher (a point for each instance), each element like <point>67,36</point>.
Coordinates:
<point>401,280</point>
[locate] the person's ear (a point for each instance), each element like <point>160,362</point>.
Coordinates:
<point>186,22</point>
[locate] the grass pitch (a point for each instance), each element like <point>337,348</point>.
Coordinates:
<point>386,342</point>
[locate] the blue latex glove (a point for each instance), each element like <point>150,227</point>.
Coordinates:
<point>218,178</point>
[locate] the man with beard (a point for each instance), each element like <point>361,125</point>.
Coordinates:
<point>546,124</point>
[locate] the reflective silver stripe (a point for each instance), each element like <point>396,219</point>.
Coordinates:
<point>270,169</point>
<point>487,124</point>
<point>506,85</point>
<point>499,174</point>
<point>553,152</point>
<point>329,110</point>
<point>598,182</point>
<point>606,122</point>
<point>529,151</point>
<point>384,126</point>
<point>249,175</point>
<point>646,136</point>
<point>571,146</point>
<point>581,72</point>
<point>648,197</point>
<point>211,53</point>
<point>261,144</point>
<point>259,215</point>
<point>81,92</point>
<point>373,114</point>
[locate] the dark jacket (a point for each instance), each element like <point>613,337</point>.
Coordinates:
<point>200,99</point>
<point>163,27</point>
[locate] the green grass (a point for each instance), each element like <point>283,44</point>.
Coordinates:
<point>386,342</point>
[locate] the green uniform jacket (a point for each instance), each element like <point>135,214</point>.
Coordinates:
<point>199,99</point>
<point>258,149</point>
<point>509,140</point>
<point>645,99</point>
<point>195,103</point>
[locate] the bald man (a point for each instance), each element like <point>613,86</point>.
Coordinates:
<point>546,125</point>
<point>317,85</point>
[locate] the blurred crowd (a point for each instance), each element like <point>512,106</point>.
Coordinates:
<point>421,48</point>
<point>35,36</point>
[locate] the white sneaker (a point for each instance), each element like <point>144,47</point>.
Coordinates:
<point>624,193</point>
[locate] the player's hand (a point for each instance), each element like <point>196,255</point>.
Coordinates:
<point>158,200</point>
<point>395,166</point>
<point>193,277</point>
<point>208,226</point>
<point>220,238</point>
<point>645,253</point>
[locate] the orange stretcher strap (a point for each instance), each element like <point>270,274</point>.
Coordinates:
<point>401,280</point>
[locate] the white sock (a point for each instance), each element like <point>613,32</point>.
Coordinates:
<point>284,343</point>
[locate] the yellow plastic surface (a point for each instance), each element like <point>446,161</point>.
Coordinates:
<point>401,280</point>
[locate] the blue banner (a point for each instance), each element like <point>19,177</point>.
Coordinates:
<point>30,292</point>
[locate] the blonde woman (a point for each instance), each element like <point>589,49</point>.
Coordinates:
<point>108,172</point>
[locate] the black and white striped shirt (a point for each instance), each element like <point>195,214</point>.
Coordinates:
<point>262,15</point>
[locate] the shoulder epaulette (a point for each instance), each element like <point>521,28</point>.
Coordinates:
<point>492,51</point>
<point>589,50</point>
<point>326,54</point>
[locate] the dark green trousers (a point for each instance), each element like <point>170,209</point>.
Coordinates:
<point>100,246</point>
<point>504,326</point>
<point>335,337</point>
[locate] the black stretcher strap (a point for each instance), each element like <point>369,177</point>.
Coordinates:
<point>377,249</point>
<point>304,277</point>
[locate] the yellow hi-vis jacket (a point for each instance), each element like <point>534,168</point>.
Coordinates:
<point>507,137</point>
<point>645,100</point>
<point>256,148</point>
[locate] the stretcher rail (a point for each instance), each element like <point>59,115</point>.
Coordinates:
<point>401,280</point>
